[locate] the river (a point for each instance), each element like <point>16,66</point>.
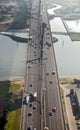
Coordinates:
<point>12,58</point>
<point>13,54</point>
<point>67,52</point>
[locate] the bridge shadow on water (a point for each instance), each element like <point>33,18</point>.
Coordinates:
<point>16,38</point>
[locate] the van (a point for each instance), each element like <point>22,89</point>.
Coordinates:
<point>27,99</point>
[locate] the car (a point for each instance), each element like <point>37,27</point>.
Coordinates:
<point>31,94</point>
<point>73,103</point>
<point>30,44</point>
<point>30,105</point>
<point>47,73</point>
<point>35,55</point>
<point>35,129</point>
<point>30,114</point>
<point>29,67</point>
<point>73,99</point>
<point>30,85</point>
<point>32,17</point>
<point>78,123</point>
<point>43,50</point>
<point>49,45</point>
<point>78,126</point>
<point>47,33</point>
<point>51,81</point>
<point>72,91</point>
<point>53,72</point>
<point>34,107</point>
<point>51,113</point>
<point>27,99</point>
<point>47,28</point>
<point>29,128</point>
<point>54,109</point>
<point>34,51</point>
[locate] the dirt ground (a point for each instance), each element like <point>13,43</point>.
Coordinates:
<point>17,80</point>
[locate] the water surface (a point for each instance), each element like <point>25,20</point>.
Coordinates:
<point>67,52</point>
<point>12,58</point>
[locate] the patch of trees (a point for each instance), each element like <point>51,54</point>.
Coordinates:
<point>20,19</point>
<point>2,18</point>
<point>3,120</point>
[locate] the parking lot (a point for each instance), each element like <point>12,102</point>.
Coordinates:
<point>72,104</point>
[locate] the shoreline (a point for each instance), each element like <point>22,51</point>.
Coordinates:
<point>70,77</point>
<point>14,80</point>
<point>21,80</point>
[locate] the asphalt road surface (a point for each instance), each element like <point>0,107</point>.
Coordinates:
<point>41,76</point>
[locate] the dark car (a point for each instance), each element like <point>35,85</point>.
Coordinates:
<point>53,72</point>
<point>30,114</point>
<point>51,113</point>
<point>51,82</point>
<point>47,73</point>
<point>29,128</point>
<point>30,105</point>
<point>29,67</point>
<point>30,85</point>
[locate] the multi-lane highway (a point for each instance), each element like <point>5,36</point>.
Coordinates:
<point>41,76</point>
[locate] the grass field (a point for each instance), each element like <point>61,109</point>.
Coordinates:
<point>11,98</point>
<point>13,120</point>
<point>75,37</point>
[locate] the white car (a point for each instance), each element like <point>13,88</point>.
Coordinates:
<point>27,99</point>
<point>73,103</point>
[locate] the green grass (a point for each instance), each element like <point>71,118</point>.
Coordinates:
<point>9,91</point>
<point>13,120</point>
<point>14,87</point>
<point>75,37</point>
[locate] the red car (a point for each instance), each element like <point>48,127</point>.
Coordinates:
<point>54,109</point>
<point>34,107</point>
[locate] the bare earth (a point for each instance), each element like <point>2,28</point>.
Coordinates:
<point>17,80</point>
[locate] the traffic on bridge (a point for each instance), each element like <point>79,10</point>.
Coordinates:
<point>41,104</point>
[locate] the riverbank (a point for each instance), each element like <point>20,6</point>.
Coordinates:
<point>62,9</point>
<point>17,80</point>
<point>10,103</point>
<point>16,38</point>
<point>66,80</point>
<point>14,14</point>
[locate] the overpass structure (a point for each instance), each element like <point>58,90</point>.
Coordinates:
<point>41,77</point>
